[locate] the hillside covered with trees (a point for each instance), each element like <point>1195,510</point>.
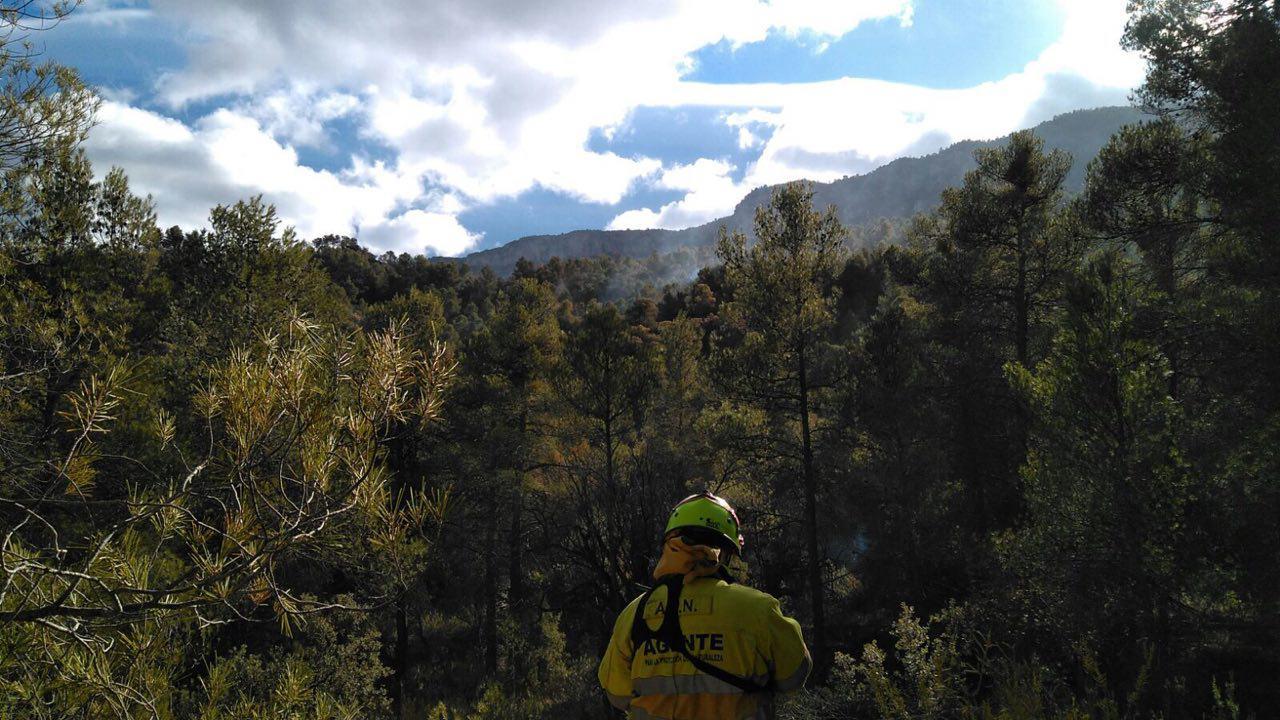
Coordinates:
<point>1025,464</point>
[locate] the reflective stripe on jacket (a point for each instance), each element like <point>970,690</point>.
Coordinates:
<point>732,626</point>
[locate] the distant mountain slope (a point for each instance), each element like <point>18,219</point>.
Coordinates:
<point>899,189</point>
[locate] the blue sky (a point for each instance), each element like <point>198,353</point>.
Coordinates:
<point>449,126</point>
<point>948,44</point>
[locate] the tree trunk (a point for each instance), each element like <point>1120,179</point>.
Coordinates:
<point>816,588</point>
<point>491,600</point>
<point>608,446</point>
<point>515,569</point>
<point>515,542</point>
<point>1167,281</point>
<point>401,662</point>
<point>1021,302</point>
<point>399,461</point>
<point>612,506</point>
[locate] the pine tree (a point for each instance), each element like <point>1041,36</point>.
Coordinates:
<point>783,302</point>
<point>1109,551</point>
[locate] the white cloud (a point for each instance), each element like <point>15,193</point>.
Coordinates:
<point>421,232</point>
<point>106,13</point>
<point>694,175</point>
<point>487,98</point>
<point>490,98</point>
<point>228,156</point>
<point>710,193</point>
<point>298,116</point>
<point>638,219</point>
<point>833,19</point>
<point>751,122</point>
<point>826,130</point>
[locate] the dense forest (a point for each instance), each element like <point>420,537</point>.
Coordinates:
<point>1024,463</point>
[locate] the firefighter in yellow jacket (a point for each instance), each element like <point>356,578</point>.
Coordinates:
<point>703,648</point>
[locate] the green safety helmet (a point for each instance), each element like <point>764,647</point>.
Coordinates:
<point>705,510</point>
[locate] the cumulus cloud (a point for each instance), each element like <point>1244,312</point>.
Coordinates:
<point>710,193</point>
<point>228,156</point>
<point>750,124</point>
<point>826,130</point>
<point>421,232</point>
<point>298,116</point>
<point>486,99</point>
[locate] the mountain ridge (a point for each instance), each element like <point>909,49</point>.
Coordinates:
<point>898,189</point>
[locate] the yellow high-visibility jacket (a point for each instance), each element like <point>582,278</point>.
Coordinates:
<point>741,630</point>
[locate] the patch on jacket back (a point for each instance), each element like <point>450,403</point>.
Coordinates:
<point>707,646</point>
<point>698,605</point>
